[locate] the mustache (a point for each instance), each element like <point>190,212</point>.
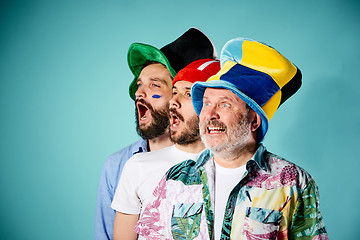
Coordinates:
<point>148,105</point>
<point>177,114</point>
<point>214,123</point>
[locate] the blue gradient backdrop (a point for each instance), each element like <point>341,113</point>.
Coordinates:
<point>65,107</point>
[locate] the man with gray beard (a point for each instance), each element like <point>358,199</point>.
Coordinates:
<point>235,138</point>
<point>236,189</point>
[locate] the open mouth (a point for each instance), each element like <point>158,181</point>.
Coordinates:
<point>174,120</point>
<point>215,127</point>
<point>215,130</point>
<point>143,111</point>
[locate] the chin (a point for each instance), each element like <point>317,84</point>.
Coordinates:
<point>214,142</point>
<point>174,138</point>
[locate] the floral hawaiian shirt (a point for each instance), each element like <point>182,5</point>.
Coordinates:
<point>275,199</point>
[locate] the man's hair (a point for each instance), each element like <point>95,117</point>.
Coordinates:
<point>147,63</point>
<point>248,107</point>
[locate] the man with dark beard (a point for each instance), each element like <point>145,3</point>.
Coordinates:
<point>237,189</point>
<point>143,171</point>
<point>153,71</point>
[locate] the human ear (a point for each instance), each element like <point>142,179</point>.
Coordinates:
<point>255,121</point>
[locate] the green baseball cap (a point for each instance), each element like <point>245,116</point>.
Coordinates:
<point>191,46</point>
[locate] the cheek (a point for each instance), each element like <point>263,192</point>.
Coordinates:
<point>156,96</point>
<point>161,103</point>
<point>188,106</point>
<point>161,95</point>
<point>202,117</point>
<point>206,113</point>
<point>202,121</point>
<point>164,95</point>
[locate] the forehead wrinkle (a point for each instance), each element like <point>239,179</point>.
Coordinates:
<point>222,98</point>
<point>182,86</point>
<point>232,97</point>
<point>186,88</point>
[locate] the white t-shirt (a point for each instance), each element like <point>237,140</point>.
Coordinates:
<point>225,180</point>
<point>140,176</point>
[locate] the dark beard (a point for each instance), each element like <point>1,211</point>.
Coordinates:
<point>159,124</point>
<point>190,134</point>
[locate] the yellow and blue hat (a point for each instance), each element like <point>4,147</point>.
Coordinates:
<point>257,73</point>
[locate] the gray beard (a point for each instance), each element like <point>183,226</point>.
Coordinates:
<point>236,141</point>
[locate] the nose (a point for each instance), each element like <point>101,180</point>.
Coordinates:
<point>210,113</point>
<point>140,92</point>
<point>174,102</point>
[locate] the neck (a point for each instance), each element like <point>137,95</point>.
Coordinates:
<point>236,158</point>
<point>159,142</point>
<point>194,147</point>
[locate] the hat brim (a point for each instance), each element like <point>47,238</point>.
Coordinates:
<point>197,94</point>
<point>138,55</point>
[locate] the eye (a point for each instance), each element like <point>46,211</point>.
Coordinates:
<point>188,94</point>
<point>174,93</point>
<point>207,104</point>
<point>155,85</point>
<point>138,85</point>
<point>225,105</point>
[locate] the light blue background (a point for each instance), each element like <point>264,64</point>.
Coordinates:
<point>65,107</point>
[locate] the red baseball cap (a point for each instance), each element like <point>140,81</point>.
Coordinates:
<point>198,71</point>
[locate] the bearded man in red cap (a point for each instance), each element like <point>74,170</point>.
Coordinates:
<point>143,171</point>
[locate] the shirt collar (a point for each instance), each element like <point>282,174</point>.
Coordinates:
<point>257,159</point>
<point>141,146</point>
<point>203,158</point>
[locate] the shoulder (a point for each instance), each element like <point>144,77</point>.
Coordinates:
<point>275,172</point>
<point>116,161</point>
<point>153,156</point>
<point>287,172</point>
<point>189,170</point>
<point>186,172</point>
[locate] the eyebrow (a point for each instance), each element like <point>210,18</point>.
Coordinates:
<point>154,80</point>
<point>186,88</point>
<point>159,80</point>
<point>224,98</point>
